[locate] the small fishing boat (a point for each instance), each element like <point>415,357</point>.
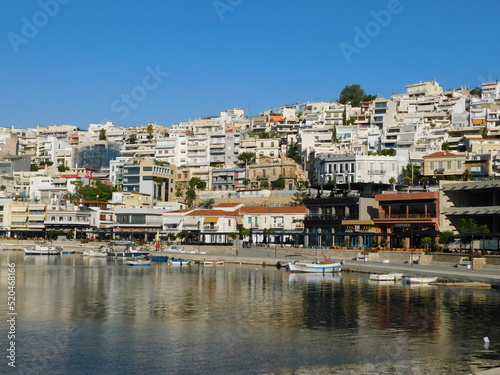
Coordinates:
<point>420,280</point>
<point>158,258</point>
<point>129,253</point>
<point>314,267</point>
<point>68,252</point>
<point>386,277</point>
<point>179,262</point>
<point>138,262</point>
<point>102,252</point>
<point>41,249</point>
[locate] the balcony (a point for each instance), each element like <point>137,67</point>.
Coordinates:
<point>210,227</point>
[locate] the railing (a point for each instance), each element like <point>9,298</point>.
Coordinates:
<point>210,227</point>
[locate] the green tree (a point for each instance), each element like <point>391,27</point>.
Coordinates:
<point>207,204</point>
<point>467,175</point>
<point>426,242</point>
<point>102,135</point>
<point>62,168</point>
<point>335,139</point>
<point>406,180</point>
<point>264,184</point>
<point>293,153</point>
<point>247,157</point>
<point>392,180</point>
<point>301,194</point>
<point>191,196</point>
<point>412,171</point>
<point>446,237</point>
<point>246,182</point>
<point>278,184</point>
<point>352,94</point>
<point>477,91</point>
<point>150,130</point>
<point>445,146</point>
<point>344,116</point>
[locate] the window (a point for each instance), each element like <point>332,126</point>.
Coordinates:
<point>448,164</point>
<point>459,164</point>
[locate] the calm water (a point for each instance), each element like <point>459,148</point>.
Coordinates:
<point>96,316</point>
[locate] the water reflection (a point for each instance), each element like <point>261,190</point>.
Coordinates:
<point>231,318</point>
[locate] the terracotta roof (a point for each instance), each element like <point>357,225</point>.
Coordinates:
<point>441,153</point>
<point>272,210</point>
<point>212,213</point>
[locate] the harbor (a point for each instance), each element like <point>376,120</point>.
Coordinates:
<point>102,316</point>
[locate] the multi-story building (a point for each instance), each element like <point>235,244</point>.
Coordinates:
<point>330,168</point>
<point>405,218</point>
<point>491,91</point>
<point>444,163</point>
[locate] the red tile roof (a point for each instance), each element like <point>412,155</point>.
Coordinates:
<point>440,154</point>
<point>272,210</point>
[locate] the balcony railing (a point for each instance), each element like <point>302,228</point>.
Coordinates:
<point>211,227</point>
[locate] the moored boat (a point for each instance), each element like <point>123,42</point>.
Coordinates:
<point>314,267</point>
<point>128,253</point>
<point>138,262</point>
<point>179,262</point>
<point>386,277</point>
<point>214,262</point>
<point>43,250</point>
<point>420,280</point>
<point>158,258</point>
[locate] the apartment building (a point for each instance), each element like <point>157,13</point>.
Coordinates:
<point>444,163</point>
<point>352,168</point>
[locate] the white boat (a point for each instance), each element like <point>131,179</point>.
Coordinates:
<point>179,262</point>
<point>314,267</point>
<point>94,253</point>
<point>217,262</point>
<point>129,253</point>
<point>386,277</point>
<point>43,250</point>
<point>420,280</point>
<point>138,263</point>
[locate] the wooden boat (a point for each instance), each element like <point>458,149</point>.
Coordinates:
<point>138,262</point>
<point>43,250</point>
<point>386,277</point>
<point>179,262</point>
<point>420,280</point>
<point>314,267</point>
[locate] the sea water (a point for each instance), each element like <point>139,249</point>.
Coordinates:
<point>78,315</point>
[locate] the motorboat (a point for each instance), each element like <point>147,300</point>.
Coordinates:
<point>179,262</point>
<point>43,250</point>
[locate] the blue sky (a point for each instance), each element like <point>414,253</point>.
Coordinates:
<point>130,62</point>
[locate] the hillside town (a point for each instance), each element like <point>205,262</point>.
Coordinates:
<point>358,172</point>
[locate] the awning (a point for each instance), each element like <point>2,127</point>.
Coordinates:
<point>211,219</point>
<point>172,220</point>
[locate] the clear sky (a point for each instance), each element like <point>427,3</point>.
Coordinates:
<point>132,62</point>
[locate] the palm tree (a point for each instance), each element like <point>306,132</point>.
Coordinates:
<point>150,129</point>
